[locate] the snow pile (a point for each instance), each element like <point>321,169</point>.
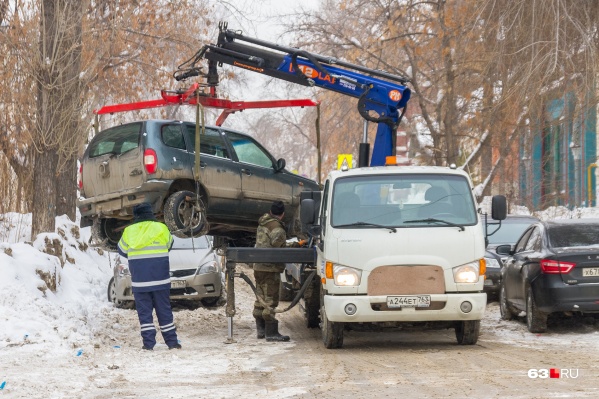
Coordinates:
<point>52,290</point>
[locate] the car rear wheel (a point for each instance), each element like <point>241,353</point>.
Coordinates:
<point>536,321</point>
<point>467,332</point>
<point>184,215</point>
<point>508,312</point>
<point>112,297</point>
<point>106,233</point>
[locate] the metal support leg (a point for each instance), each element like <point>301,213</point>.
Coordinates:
<point>230,310</point>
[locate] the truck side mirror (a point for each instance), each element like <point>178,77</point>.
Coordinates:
<point>307,212</point>
<point>498,207</point>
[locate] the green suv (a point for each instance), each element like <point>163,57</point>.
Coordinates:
<point>153,161</point>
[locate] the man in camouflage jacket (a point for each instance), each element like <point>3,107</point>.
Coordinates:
<point>271,234</point>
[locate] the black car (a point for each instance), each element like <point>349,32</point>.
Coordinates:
<point>508,232</point>
<point>554,267</point>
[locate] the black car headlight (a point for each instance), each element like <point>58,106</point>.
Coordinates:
<point>492,263</point>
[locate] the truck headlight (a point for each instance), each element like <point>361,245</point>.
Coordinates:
<point>210,267</point>
<point>467,273</point>
<point>346,276</point>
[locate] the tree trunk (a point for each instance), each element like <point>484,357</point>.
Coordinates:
<point>44,193</point>
<point>67,190</point>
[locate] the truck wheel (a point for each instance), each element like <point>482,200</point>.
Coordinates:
<point>312,304</point>
<point>184,216</point>
<point>467,331</point>
<point>536,321</point>
<point>112,297</point>
<point>508,312</point>
<point>106,233</point>
<point>332,332</point>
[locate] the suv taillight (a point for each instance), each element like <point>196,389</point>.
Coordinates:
<point>80,178</point>
<point>550,266</point>
<point>150,161</point>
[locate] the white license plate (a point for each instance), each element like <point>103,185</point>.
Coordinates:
<point>409,301</point>
<point>178,284</point>
<point>590,272</point>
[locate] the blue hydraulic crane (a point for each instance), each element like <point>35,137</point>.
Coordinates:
<point>382,97</point>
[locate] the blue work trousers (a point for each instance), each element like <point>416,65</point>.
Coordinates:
<point>146,302</point>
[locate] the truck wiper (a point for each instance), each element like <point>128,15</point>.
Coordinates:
<point>432,220</point>
<point>393,229</point>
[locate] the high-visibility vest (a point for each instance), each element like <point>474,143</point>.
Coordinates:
<point>146,245</point>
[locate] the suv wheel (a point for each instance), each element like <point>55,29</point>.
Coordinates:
<point>184,216</point>
<point>106,233</point>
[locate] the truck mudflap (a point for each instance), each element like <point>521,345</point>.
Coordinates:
<point>372,309</point>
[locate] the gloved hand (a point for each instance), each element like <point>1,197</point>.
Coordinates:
<point>302,243</point>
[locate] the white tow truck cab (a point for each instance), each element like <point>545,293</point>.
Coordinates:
<point>398,244</point>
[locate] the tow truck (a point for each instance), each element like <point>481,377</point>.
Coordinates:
<point>390,246</point>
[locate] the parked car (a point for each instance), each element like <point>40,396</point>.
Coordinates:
<point>196,275</point>
<point>153,161</point>
<point>508,233</point>
<point>554,267</point>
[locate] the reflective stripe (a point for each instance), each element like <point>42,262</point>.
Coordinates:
<point>168,325</point>
<point>148,328</point>
<point>151,283</point>
<point>132,255</point>
<point>147,325</point>
<point>167,329</point>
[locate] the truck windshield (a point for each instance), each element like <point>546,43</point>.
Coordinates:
<point>407,200</point>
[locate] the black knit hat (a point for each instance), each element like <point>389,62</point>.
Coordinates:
<point>277,208</point>
<point>143,212</point>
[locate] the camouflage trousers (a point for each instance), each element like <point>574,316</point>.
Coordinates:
<point>267,288</point>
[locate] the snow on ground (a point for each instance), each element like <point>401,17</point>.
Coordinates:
<point>75,319</point>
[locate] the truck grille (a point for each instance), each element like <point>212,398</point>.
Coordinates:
<point>406,280</point>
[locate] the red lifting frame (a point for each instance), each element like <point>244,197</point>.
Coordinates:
<point>189,98</point>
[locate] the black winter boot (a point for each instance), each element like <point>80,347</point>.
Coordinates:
<point>272,332</point>
<point>260,327</point>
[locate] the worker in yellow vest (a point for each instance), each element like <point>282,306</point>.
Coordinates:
<point>146,243</point>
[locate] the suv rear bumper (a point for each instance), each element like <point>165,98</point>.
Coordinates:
<point>121,204</point>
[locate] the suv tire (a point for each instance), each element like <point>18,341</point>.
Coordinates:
<point>106,233</point>
<point>178,210</point>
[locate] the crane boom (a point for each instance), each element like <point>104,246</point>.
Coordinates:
<point>382,97</point>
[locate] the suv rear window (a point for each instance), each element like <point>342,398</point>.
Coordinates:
<point>116,140</point>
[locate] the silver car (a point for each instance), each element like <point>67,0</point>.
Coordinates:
<point>196,276</point>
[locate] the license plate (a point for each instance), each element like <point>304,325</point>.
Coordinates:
<point>590,272</point>
<point>178,284</point>
<point>409,301</point>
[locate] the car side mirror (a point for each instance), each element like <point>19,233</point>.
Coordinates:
<point>505,249</point>
<point>280,165</point>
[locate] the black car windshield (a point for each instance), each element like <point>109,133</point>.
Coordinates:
<point>573,235</point>
<point>403,200</point>
<point>509,232</point>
